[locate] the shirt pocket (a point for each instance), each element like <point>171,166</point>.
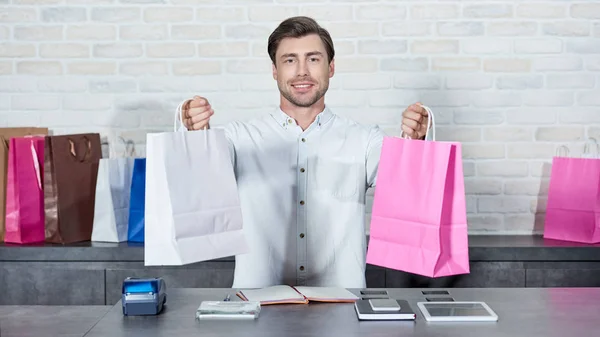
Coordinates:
<point>336,176</point>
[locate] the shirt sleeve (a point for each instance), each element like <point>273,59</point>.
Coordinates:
<point>374,144</point>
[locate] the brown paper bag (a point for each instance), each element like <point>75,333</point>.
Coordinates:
<point>70,173</point>
<point>5,135</point>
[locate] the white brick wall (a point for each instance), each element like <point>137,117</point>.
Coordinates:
<point>511,80</point>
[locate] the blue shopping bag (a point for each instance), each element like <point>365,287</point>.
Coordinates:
<point>135,230</point>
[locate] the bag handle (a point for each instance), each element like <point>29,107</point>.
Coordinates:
<point>562,149</point>
<point>430,124</point>
<point>586,150</point>
<point>36,164</point>
<point>74,153</point>
<point>129,148</point>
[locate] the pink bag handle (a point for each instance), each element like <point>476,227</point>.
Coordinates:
<point>36,165</point>
<point>430,125</point>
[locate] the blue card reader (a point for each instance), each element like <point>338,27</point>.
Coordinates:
<point>143,296</point>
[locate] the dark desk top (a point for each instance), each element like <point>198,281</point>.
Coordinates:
<point>531,312</point>
<point>482,248</point>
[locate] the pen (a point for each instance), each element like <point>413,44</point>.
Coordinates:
<point>227,298</point>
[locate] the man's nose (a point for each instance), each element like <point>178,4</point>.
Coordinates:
<point>302,68</point>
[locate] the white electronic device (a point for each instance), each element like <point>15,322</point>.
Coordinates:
<point>465,311</point>
<point>384,304</point>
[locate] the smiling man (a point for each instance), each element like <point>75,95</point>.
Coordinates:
<point>303,171</point>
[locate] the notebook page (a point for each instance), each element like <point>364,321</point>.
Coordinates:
<point>272,295</point>
<point>324,294</point>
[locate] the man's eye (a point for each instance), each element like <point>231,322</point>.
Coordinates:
<point>289,60</point>
<point>314,59</point>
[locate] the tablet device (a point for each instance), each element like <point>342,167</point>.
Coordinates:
<point>464,311</point>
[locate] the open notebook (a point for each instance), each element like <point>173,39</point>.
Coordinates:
<point>284,294</point>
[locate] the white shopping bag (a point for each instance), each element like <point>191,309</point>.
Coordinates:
<point>192,209</point>
<point>111,208</point>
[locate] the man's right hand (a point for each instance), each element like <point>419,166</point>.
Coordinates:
<point>196,113</point>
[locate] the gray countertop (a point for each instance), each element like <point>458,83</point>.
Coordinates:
<point>532,312</point>
<point>482,248</point>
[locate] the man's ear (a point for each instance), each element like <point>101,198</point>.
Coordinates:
<point>274,71</point>
<point>331,68</point>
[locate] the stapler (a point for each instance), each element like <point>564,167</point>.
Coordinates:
<point>143,296</point>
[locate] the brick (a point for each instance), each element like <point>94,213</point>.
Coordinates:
<point>413,28</point>
<point>340,30</point>
<point>69,119</point>
<point>540,168</point>
<point>443,115</point>
<point>4,104</point>
<point>483,186</point>
<point>519,82</point>
<point>386,46</point>
<point>389,99</point>
<point>342,48</point>
<point>87,102</point>
<point>173,14</point>
<point>460,28</point>
<point>223,49</point>
<point>248,66</point>
<point>125,120</point>
<point>512,28</point>
<point>489,99</point>
<point>6,67</point>
<point>547,98</point>
<point>486,46</point>
<point>37,102</point>
<point>271,13</point>
<point>583,46</point>
<point>585,11</point>
<point>566,28</point>
<point>141,1</point>
<point>64,50</point>
<point>38,33</point>
<point>39,68</point>
<point>580,116</point>
<point>538,46</point>
<point>356,64</point>
<point>91,32</point>
<point>570,81</point>
<point>63,14</point>
<point>91,68</point>
<point>468,168</point>
<point>541,11</point>
<point>375,81</point>
<point>588,98</point>
<point>531,116</point>
<point>559,133</point>
<point>327,12</point>
<point>379,12</point>
<point>190,68</point>
<point>17,15</point>
<point>447,99</point>
<point>484,223</point>
<point>195,32</point>
<point>220,14</point>
<point>506,65</point>
<point>434,12</point>
<point>116,14</point>
<point>4,33</point>
<point>112,86</point>
<point>558,63</point>
<point>508,134</point>
<point>469,81</point>
<point>62,84</point>
<point>488,11</point>
<point>118,50</point>
<point>376,114</point>
<point>260,49</point>
<point>404,64</point>
<point>532,187</point>
<point>596,28</point>
<point>503,204</point>
<point>264,82</point>
<point>456,64</point>
<point>18,84</point>
<point>478,117</point>
<point>143,32</point>
<point>209,83</point>
<point>502,168</point>
<point>539,205</point>
<point>529,150</point>
<point>247,31</point>
<point>483,151</point>
<point>17,50</point>
<point>341,99</point>
<point>424,81</point>
<point>89,2</point>
<point>592,63</point>
<point>457,133</point>
<point>528,224</point>
<point>434,47</point>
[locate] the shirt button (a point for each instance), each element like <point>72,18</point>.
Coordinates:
<point>301,202</point>
<point>303,139</point>
<point>302,170</point>
<point>289,121</point>
<point>301,235</point>
<point>301,267</point>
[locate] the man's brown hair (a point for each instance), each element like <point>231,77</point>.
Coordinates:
<point>296,27</point>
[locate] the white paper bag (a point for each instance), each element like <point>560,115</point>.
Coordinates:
<point>192,209</point>
<point>111,208</point>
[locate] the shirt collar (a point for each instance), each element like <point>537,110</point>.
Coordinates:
<point>286,121</point>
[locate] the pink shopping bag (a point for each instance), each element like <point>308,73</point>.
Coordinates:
<point>24,194</point>
<point>419,217</point>
<point>573,209</point>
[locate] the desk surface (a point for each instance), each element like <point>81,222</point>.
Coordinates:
<point>528,312</point>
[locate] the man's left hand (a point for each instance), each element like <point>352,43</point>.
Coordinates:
<point>414,121</point>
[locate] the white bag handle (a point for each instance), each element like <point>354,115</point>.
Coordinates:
<point>563,149</point>
<point>586,150</point>
<point>430,125</point>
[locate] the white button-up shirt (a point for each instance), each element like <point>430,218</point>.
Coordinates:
<point>303,199</point>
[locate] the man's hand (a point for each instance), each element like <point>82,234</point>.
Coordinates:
<point>414,121</point>
<point>196,113</point>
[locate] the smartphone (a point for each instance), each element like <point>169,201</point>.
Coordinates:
<point>384,304</point>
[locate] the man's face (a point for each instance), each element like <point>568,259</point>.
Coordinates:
<point>302,70</point>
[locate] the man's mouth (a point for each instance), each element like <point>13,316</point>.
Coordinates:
<point>302,85</point>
